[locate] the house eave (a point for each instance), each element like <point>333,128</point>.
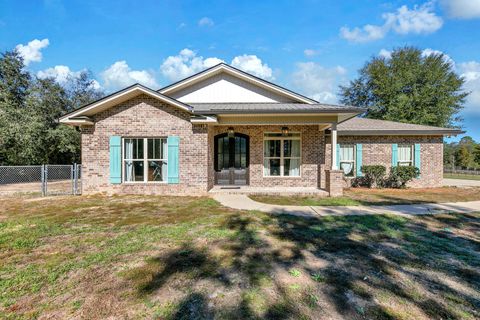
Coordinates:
<point>400,132</point>
<point>119,97</point>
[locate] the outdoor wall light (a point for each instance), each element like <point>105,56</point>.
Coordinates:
<point>285,131</point>
<point>231,132</point>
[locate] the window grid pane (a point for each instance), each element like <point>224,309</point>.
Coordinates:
<point>145,159</point>
<point>282,154</point>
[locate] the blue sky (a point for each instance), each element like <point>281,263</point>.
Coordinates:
<point>309,46</point>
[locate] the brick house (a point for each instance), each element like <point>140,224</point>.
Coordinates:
<point>225,127</point>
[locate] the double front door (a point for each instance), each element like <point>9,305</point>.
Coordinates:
<point>231,159</point>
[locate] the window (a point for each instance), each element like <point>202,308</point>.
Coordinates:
<point>281,155</point>
<point>144,160</point>
<point>347,159</point>
<point>405,155</point>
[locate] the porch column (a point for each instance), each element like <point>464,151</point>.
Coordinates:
<point>334,146</point>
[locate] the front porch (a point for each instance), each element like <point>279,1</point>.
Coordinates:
<point>273,159</point>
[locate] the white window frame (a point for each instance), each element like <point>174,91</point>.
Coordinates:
<point>282,157</point>
<point>145,160</point>
<point>354,161</point>
<point>412,155</point>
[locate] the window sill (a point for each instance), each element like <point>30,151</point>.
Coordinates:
<point>282,177</point>
<point>144,183</point>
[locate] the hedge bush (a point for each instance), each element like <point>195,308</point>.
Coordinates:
<point>400,175</point>
<point>374,175</point>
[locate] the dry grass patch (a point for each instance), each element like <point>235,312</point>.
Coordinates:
<point>190,258</point>
<point>364,196</point>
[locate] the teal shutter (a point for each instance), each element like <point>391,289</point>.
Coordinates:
<point>417,156</point>
<point>338,156</point>
<point>173,160</point>
<point>394,155</point>
<point>359,159</point>
<point>115,159</point>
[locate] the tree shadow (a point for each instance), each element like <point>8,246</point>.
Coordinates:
<point>193,307</point>
<point>365,255</point>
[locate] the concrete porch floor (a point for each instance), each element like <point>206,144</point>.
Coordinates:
<point>284,191</point>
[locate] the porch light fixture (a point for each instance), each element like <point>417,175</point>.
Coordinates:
<point>231,132</point>
<point>285,131</point>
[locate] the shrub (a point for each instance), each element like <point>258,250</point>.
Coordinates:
<point>400,175</point>
<point>374,175</point>
<point>359,182</point>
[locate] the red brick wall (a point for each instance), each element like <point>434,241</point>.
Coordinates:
<point>378,150</point>
<point>145,117</point>
<point>312,146</point>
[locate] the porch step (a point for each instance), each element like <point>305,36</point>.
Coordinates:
<point>283,191</point>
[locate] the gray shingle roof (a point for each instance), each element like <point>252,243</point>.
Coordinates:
<point>271,108</point>
<point>363,126</point>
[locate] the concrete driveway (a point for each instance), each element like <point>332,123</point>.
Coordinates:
<point>461,183</point>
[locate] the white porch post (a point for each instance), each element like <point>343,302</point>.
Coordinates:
<point>334,146</point>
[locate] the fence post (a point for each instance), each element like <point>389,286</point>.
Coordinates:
<point>46,179</point>
<point>42,178</point>
<point>75,178</point>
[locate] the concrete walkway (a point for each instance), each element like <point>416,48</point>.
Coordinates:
<point>243,202</point>
<point>460,183</point>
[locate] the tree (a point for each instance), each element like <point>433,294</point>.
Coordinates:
<point>29,112</point>
<point>14,80</point>
<point>476,154</point>
<point>408,87</point>
<point>463,156</point>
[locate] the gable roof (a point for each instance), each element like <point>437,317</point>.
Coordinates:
<point>119,97</point>
<point>363,126</point>
<point>255,107</point>
<point>223,67</point>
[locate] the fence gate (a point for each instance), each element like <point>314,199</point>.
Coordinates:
<point>46,180</point>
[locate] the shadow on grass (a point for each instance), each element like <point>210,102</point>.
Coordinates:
<point>368,259</point>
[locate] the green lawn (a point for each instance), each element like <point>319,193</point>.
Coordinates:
<point>461,176</point>
<point>363,196</point>
<point>190,258</point>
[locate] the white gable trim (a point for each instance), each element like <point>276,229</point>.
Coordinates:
<point>118,97</point>
<point>236,73</point>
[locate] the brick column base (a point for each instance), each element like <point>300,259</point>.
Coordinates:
<point>334,182</point>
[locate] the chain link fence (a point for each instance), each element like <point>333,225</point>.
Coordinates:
<point>44,180</point>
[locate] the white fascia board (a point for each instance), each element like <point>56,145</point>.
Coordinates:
<point>76,122</point>
<point>207,119</point>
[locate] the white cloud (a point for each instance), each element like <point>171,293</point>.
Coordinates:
<point>462,9</point>
<point>252,64</point>
<point>366,33</point>
<point>470,71</point>
<point>120,75</point>
<point>310,52</point>
<point>62,74</point>
<point>205,22</point>
<point>446,57</point>
<point>31,52</point>
<point>318,82</point>
<point>385,53</point>
<point>419,20</point>
<point>185,64</point>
